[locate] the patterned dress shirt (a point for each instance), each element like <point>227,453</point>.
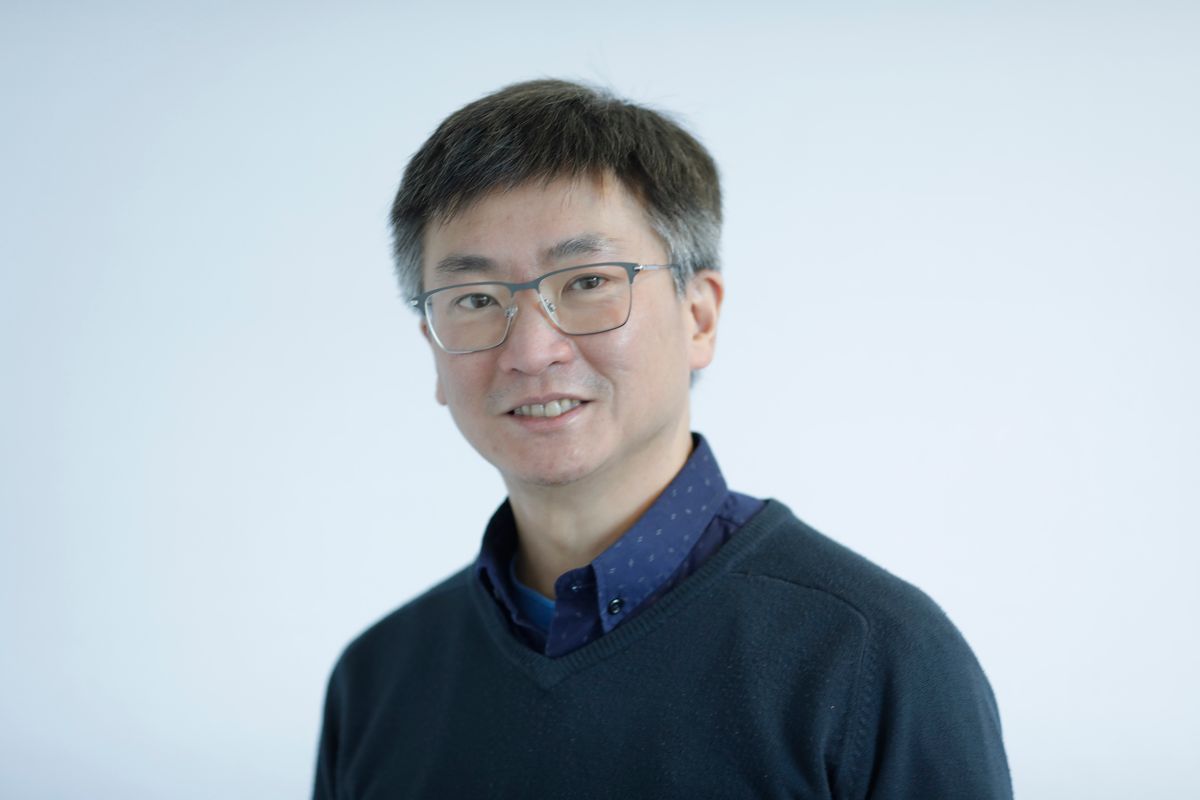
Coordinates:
<point>695,514</point>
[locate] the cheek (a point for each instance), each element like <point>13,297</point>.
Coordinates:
<point>666,341</point>
<point>458,383</point>
<point>646,359</point>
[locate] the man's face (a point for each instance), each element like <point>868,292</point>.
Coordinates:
<point>633,381</point>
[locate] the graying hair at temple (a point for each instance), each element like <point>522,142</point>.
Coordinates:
<point>548,129</point>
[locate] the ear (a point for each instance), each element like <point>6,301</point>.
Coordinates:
<point>702,302</point>
<point>439,394</point>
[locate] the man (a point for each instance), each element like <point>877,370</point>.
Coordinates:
<point>631,628</point>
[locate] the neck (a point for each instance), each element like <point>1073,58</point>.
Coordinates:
<point>561,528</point>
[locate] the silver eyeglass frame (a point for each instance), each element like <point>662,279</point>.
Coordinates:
<point>421,301</point>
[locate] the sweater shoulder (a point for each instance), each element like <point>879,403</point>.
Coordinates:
<point>924,713</point>
<point>794,552</point>
<point>423,618</point>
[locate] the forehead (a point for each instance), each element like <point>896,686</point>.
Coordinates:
<point>540,225</point>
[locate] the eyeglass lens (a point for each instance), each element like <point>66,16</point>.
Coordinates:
<point>584,300</point>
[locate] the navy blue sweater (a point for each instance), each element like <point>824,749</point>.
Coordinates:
<point>787,666</point>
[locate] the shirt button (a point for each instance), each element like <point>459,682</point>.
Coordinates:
<point>615,605</point>
<point>575,587</point>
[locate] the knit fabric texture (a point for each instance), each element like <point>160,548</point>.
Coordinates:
<point>787,666</point>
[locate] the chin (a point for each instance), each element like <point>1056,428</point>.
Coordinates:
<point>550,472</point>
<point>549,481</point>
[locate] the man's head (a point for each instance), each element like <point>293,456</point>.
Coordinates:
<point>546,129</point>
<point>537,178</point>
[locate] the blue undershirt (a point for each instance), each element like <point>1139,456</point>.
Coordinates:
<point>536,607</point>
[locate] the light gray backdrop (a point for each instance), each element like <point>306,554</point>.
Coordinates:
<point>960,338</point>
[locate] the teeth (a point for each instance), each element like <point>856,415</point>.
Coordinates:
<point>552,409</point>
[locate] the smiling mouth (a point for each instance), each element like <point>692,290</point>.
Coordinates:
<point>552,409</point>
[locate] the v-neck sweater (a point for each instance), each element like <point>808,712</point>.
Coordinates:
<point>786,666</point>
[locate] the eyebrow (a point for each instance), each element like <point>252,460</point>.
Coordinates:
<point>588,244</point>
<point>455,264</point>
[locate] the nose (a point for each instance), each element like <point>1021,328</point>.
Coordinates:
<point>534,343</point>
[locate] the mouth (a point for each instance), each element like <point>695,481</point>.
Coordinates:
<point>554,408</point>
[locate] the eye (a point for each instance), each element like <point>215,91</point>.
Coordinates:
<point>587,282</point>
<point>475,301</point>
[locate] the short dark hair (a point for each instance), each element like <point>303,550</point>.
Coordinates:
<point>546,129</point>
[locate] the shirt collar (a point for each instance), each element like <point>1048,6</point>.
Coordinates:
<point>496,553</point>
<point>646,555</point>
<point>635,565</point>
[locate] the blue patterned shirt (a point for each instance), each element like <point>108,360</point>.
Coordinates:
<point>695,514</point>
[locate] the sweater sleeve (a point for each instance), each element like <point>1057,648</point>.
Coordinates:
<point>927,722</point>
<point>325,783</point>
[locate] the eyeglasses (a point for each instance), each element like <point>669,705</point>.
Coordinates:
<point>582,300</point>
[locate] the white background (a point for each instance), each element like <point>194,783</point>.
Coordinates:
<point>962,263</point>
